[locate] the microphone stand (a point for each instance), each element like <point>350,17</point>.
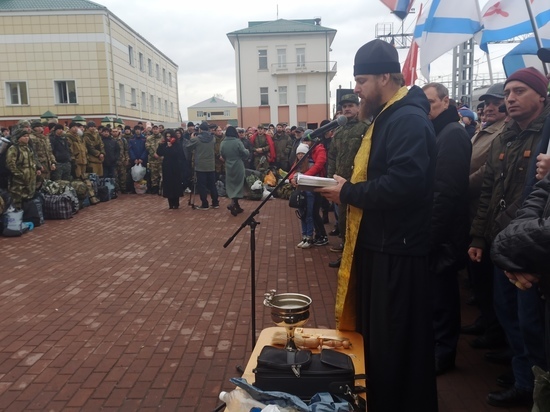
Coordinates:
<point>250,221</point>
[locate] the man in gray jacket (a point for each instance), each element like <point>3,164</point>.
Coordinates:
<point>203,145</point>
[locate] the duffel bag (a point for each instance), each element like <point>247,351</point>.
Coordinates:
<point>12,222</point>
<point>58,206</point>
<point>80,188</point>
<point>109,182</point>
<point>303,373</point>
<point>103,193</point>
<point>33,210</point>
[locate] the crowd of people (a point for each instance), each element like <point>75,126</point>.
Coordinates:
<point>426,187</point>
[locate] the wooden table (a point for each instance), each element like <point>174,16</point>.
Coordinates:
<point>356,351</point>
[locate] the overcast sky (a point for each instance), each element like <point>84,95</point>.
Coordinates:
<point>193,34</point>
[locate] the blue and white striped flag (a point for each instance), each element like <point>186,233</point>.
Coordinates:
<point>445,24</point>
<point>525,53</point>
<point>504,19</point>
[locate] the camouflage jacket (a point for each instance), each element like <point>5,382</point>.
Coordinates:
<point>343,148</point>
<point>283,146</point>
<point>124,157</point>
<point>94,146</point>
<point>20,161</point>
<point>43,150</point>
<point>151,145</point>
<point>79,153</point>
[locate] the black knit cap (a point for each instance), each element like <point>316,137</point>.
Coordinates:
<point>203,126</point>
<point>376,57</point>
<point>231,131</point>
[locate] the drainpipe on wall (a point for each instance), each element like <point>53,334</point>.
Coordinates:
<point>111,98</point>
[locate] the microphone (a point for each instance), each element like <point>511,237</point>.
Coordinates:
<point>340,121</point>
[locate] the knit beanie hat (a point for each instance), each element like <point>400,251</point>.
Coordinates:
<point>203,126</point>
<point>532,78</point>
<point>302,148</point>
<point>376,57</point>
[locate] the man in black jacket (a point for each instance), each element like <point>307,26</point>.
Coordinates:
<point>384,283</point>
<point>62,153</point>
<point>450,223</point>
<point>112,152</point>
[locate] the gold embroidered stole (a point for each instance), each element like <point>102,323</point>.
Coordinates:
<point>345,294</point>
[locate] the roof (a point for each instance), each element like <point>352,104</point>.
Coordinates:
<point>13,5</point>
<point>283,26</point>
<point>213,103</point>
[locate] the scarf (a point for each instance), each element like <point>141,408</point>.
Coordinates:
<point>345,293</point>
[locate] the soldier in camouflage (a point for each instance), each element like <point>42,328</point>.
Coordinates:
<point>283,146</point>
<point>95,149</point>
<point>343,148</point>
<point>43,150</point>
<point>260,149</point>
<point>155,161</point>
<point>79,153</point>
<point>20,161</point>
<point>122,162</point>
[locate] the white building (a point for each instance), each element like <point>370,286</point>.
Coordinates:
<point>283,71</point>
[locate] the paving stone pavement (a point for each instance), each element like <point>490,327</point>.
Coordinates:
<point>131,306</point>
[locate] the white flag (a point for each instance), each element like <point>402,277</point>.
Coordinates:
<point>445,24</point>
<point>504,19</point>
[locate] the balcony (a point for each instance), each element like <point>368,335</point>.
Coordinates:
<point>308,67</point>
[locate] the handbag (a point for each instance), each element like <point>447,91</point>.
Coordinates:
<point>297,199</point>
<point>303,373</point>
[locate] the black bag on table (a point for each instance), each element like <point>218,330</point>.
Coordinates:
<point>303,373</point>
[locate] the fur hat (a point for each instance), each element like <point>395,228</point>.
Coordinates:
<point>376,57</point>
<point>302,148</point>
<point>532,78</point>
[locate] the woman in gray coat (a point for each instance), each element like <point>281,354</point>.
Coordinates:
<point>234,154</point>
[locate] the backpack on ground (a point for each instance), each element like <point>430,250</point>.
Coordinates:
<point>110,183</point>
<point>33,210</point>
<point>103,193</point>
<point>12,223</point>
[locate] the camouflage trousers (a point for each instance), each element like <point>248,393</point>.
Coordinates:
<point>79,171</point>
<point>155,169</point>
<point>62,171</point>
<point>120,177</point>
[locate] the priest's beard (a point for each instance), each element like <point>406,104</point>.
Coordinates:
<point>370,105</point>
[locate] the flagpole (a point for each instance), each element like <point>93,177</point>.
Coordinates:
<point>535,30</point>
<point>489,65</point>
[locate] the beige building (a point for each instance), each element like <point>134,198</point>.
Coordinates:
<point>214,110</point>
<point>283,71</point>
<point>75,57</point>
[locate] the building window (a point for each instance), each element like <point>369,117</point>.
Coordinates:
<point>226,113</point>
<point>141,62</point>
<point>301,57</point>
<point>169,79</point>
<point>282,95</point>
<point>171,109</point>
<point>122,93</point>
<point>133,93</point>
<point>158,71</point>
<point>200,114</point>
<point>301,94</point>
<point>164,76</point>
<point>166,107</point>
<point>65,92</point>
<point>16,93</point>
<point>151,104</point>
<point>159,107</point>
<point>262,62</point>
<point>131,55</point>
<point>143,101</point>
<point>150,64</point>
<point>264,96</point>
<point>281,58</point>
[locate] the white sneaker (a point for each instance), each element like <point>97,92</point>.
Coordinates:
<point>301,244</point>
<point>307,243</point>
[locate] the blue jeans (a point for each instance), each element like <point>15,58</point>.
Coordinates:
<point>307,215</point>
<point>521,314</point>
